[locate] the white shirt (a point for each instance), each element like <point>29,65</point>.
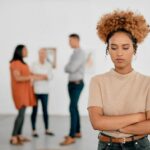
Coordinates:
<point>42,86</point>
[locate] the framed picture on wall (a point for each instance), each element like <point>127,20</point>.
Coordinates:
<point>51,56</point>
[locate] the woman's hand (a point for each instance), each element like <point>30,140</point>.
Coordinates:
<point>35,77</point>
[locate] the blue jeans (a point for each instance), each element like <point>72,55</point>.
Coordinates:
<point>74,90</point>
<point>141,144</point>
<point>44,100</point>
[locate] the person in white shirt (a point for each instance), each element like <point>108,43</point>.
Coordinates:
<point>41,89</point>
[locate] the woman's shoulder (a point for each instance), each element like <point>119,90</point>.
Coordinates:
<point>16,63</point>
<point>143,76</point>
<point>99,77</point>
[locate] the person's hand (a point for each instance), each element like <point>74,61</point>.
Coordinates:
<point>38,77</point>
<point>31,78</point>
<point>44,77</point>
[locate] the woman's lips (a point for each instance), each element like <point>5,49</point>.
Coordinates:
<point>119,60</point>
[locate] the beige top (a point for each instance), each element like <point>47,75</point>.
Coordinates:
<point>119,94</point>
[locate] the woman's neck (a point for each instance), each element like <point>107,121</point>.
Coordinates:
<point>124,70</point>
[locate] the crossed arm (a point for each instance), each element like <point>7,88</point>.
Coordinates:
<point>138,123</point>
<point>142,127</point>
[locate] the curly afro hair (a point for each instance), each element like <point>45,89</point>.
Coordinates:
<point>128,21</point>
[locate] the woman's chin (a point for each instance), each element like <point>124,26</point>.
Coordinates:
<point>120,66</point>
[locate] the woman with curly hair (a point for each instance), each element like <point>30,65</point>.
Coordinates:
<point>119,100</point>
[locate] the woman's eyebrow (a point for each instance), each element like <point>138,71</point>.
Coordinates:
<point>113,44</point>
<point>125,44</point>
<point>121,45</point>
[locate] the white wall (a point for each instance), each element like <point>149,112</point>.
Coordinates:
<point>38,23</point>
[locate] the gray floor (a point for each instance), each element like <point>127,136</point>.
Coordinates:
<point>58,124</point>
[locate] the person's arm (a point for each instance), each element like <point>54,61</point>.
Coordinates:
<point>112,123</point>
<point>36,76</point>
<point>138,128</point>
<point>75,62</point>
<point>142,127</point>
<point>40,77</point>
<point>47,76</point>
<point>19,78</point>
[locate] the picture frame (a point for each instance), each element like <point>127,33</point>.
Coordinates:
<point>51,56</point>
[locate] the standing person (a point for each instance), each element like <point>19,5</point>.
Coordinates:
<point>75,69</point>
<point>119,100</point>
<point>41,89</point>
<point>22,91</point>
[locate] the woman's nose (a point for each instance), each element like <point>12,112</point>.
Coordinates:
<point>119,52</point>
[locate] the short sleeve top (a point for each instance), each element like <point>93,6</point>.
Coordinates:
<point>119,94</point>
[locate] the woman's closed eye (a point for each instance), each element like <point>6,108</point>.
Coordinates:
<point>114,48</point>
<point>125,48</point>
